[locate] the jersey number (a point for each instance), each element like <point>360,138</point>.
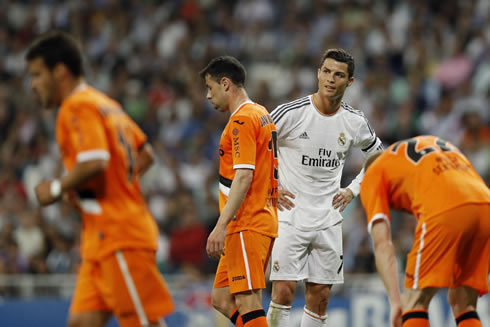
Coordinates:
<point>129,151</point>
<point>273,148</point>
<point>414,155</point>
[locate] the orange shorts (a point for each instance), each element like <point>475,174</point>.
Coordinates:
<point>451,249</point>
<point>243,265</point>
<point>126,283</point>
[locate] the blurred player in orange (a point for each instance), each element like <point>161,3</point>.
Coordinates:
<point>245,231</point>
<point>431,179</point>
<point>104,153</point>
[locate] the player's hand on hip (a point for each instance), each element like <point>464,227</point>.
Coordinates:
<point>284,200</point>
<point>215,246</point>
<point>43,193</point>
<point>396,315</point>
<point>342,199</point>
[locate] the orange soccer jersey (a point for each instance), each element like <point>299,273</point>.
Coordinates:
<point>424,176</point>
<point>431,179</point>
<point>90,126</point>
<point>249,141</point>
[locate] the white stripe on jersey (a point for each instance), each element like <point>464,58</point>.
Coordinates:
<point>419,258</point>
<point>280,111</point>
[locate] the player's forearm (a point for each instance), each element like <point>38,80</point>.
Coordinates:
<point>355,185</point>
<point>82,173</point>
<point>145,159</point>
<point>238,192</point>
<point>386,266</point>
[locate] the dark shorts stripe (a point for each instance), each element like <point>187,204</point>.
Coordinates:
<point>225,181</point>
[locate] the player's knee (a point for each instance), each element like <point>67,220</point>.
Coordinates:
<point>283,293</point>
<point>248,301</point>
<point>320,293</point>
<point>418,299</point>
<point>219,303</point>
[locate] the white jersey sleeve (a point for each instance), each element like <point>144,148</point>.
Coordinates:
<point>285,117</point>
<point>368,142</point>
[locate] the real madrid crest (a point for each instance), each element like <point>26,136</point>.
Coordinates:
<point>275,266</point>
<point>342,139</point>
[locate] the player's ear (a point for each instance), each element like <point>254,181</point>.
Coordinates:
<point>59,70</point>
<point>226,83</point>
<point>351,80</point>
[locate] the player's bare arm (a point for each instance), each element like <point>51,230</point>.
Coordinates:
<point>386,266</point>
<point>238,191</point>
<point>51,191</point>
<point>342,199</point>
<point>145,159</point>
<point>285,199</point>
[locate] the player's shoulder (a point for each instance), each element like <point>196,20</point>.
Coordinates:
<point>351,111</point>
<point>290,108</point>
<point>90,99</point>
<point>251,111</point>
<point>86,97</point>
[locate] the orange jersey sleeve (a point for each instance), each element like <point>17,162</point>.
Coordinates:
<point>424,176</point>
<point>90,126</point>
<point>80,134</point>
<point>248,142</point>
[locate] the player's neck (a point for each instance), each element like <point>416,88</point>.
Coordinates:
<point>67,88</point>
<point>326,106</point>
<point>237,98</point>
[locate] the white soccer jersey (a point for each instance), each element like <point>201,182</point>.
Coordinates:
<point>312,148</point>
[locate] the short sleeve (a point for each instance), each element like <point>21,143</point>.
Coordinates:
<point>283,117</point>
<point>366,138</point>
<point>243,133</point>
<point>86,137</point>
<point>374,196</point>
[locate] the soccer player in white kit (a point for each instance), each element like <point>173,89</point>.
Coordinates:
<point>315,134</point>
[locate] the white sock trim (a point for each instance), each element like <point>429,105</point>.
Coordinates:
<point>314,315</point>
<point>280,306</point>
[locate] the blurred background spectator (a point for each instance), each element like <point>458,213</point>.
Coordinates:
<point>422,67</point>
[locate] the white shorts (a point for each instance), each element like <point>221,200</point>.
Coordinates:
<point>314,256</point>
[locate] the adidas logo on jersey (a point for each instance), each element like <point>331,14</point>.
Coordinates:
<point>304,136</point>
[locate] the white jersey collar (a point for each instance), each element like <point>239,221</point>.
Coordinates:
<point>241,105</point>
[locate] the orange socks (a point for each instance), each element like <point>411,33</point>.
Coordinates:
<point>468,319</point>
<point>236,318</point>
<point>415,318</point>
<point>254,318</point>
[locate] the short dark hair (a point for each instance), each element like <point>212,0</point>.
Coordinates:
<point>225,66</point>
<point>57,47</point>
<point>340,55</point>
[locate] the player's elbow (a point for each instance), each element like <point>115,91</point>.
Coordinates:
<point>381,246</point>
<point>146,158</point>
<point>149,154</point>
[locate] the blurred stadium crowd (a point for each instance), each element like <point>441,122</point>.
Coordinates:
<point>422,67</point>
